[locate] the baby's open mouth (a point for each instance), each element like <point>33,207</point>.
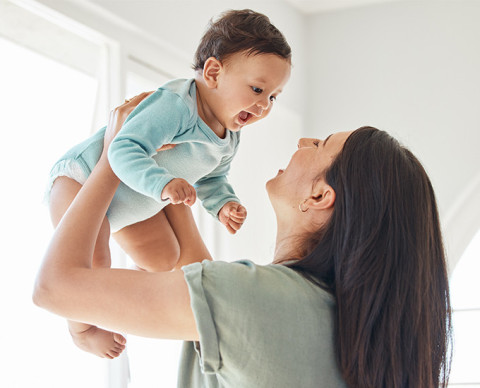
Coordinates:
<point>243,117</point>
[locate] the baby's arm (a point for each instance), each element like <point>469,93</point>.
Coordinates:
<point>178,190</point>
<point>214,192</point>
<point>152,124</point>
<point>232,215</point>
<point>219,199</point>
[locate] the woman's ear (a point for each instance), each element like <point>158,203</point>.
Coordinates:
<point>211,70</point>
<point>323,197</point>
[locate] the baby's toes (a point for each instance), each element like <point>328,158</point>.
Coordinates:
<point>120,339</point>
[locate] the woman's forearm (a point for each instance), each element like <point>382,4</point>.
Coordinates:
<point>73,242</point>
<point>113,298</point>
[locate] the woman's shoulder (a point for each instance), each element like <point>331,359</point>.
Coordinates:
<point>264,281</point>
<point>270,311</point>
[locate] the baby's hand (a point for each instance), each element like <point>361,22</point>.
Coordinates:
<point>232,215</point>
<point>178,190</point>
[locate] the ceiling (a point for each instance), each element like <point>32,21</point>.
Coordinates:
<point>315,6</point>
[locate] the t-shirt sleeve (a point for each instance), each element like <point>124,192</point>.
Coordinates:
<point>207,348</point>
<point>154,122</point>
<point>230,302</point>
<point>259,326</point>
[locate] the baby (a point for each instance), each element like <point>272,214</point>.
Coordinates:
<point>241,65</point>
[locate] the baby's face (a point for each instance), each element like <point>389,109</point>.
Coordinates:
<point>247,88</point>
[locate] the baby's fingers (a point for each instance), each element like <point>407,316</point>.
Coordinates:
<point>236,218</point>
<point>233,226</point>
<point>238,214</point>
<point>190,196</point>
<point>176,197</point>
<point>230,229</point>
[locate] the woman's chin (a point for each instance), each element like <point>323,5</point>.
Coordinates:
<point>268,187</point>
<point>271,180</point>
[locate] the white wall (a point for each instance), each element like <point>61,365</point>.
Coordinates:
<point>181,23</point>
<point>165,34</point>
<point>408,67</point>
<point>411,68</point>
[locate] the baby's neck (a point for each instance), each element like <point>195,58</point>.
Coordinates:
<point>204,108</point>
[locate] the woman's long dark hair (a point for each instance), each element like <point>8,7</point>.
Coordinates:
<point>381,255</point>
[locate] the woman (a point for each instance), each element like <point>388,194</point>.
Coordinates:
<point>357,294</point>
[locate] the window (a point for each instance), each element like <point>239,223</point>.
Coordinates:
<point>58,86</point>
<point>465,294</point>
<point>50,108</point>
<point>143,78</point>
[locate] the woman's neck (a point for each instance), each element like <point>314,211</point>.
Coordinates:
<point>288,244</point>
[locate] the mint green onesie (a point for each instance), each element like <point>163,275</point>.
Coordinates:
<point>168,116</point>
<point>260,327</point>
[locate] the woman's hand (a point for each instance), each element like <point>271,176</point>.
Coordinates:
<point>118,117</point>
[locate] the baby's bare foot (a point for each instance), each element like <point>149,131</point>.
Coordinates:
<point>102,343</point>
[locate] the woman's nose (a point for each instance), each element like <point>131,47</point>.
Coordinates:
<point>307,142</point>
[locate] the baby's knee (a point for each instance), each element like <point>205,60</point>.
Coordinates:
<point>163,258</point>
<point>168,258</point>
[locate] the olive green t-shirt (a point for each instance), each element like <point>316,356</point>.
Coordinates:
<point>260,326</point>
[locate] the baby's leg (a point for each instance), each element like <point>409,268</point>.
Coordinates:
<point>192,247</point>
<point>166,241</point>
<point>87,337</point>
<point>152,243</point>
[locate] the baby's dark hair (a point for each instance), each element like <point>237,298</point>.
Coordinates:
<point>240,30</point>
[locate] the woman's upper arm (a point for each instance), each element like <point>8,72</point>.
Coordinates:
<point>141,303</point>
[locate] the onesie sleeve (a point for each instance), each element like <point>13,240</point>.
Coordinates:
<point>214,190</point>
<point>153,123</point>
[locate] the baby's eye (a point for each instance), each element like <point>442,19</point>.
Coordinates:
<point>257,90</point>
<point>273,98</point>
<point>316,143</point>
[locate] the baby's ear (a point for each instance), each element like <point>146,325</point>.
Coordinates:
<point>211,70</point>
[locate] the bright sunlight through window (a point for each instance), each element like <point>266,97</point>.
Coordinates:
<point>50,108</point>
<point>465,293</point>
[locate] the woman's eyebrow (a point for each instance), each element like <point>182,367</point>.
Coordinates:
<point>325,141</point>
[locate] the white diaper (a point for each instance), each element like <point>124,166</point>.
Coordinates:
<point>66,167</point>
